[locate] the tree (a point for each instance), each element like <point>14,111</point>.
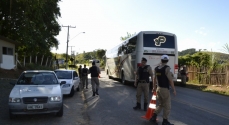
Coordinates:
<point>226,48</point>
<point>126,37</point>
<point>100,53</point>
<point>32,23</point>
<point>187,51</point>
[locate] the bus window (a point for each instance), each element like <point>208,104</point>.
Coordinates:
<point>131,45</point>
<point>158,41</point>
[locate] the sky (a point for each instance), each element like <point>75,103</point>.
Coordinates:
<point>200,24</point>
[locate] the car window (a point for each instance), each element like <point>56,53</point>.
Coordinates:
<point>37,78</point>
<point>64,74</point>
<point>75,74</point>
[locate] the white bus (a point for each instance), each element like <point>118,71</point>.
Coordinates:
<point>123,60</point>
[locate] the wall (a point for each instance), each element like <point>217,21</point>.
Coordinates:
<point>7,61</point>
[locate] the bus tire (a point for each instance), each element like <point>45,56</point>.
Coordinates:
<point>123,81</point>
<point>108,75</point>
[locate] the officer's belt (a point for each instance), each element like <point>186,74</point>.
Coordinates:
<point>142,81</point>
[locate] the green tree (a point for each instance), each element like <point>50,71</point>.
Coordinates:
<point>187,51</point>
<point>32,23</point>
<point>100,53</point>
<point>127,36</point>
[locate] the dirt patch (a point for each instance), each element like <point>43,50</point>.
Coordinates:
<point>10,74</point>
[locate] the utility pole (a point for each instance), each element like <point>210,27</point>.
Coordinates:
<point>67,45</point>
<point>71,48</point>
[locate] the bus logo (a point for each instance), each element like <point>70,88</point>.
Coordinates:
<point>159,40</point>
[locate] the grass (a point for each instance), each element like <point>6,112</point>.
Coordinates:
<point>217,89</point>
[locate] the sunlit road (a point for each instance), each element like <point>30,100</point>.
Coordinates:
<point>114,106</point>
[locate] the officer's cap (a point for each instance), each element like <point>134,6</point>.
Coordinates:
<point>164,57</point>
<point>144,59</point>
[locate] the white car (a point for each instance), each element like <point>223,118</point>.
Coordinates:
<point>36,92</point>
<point>72,81</point>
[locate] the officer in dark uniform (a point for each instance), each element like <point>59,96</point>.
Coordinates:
<point>80,71</point>
<point>85,76</point>
<point>142,82</point>
<point>95,71</point>
<point>163,79</point>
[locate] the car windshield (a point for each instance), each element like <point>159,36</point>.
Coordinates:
<point>64,74</point>
<point>37,78</point>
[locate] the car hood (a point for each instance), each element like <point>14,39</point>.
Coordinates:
<point>35,90</point>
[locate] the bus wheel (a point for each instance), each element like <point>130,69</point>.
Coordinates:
<point>123,81</point>
<point>108,75</point>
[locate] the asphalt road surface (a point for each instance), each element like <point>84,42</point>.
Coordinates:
<point>114,106</point>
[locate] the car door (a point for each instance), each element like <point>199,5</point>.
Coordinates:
<point>76,79</point>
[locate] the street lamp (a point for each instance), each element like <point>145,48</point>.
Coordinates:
<point>67,48</point>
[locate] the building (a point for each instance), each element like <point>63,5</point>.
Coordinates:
<point>7,53</point>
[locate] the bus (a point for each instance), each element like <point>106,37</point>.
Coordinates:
<point>123,60</point>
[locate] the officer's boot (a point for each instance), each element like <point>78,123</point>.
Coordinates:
<point>96,92</point>
<point>93,93</point>
<point>138,106</point>
<point>154,118</point>
<point>145,106</point>
<point>166,122</point>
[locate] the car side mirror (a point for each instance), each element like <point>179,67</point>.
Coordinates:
<point>62,82</point>
<point>75,78</point>
<point>13,82</point>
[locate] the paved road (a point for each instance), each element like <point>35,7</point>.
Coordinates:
<point>114,107</point>
<point>190,107</point>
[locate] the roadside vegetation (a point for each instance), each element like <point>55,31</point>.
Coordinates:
<point>207,70</point>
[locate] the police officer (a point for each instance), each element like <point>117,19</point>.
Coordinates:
<point>142,79</point>
<point>163,79</point>
<point>84,77</point>
<point>80,71</point>
<point>95,71</point>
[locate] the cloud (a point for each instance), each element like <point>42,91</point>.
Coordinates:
<point>201,31</point>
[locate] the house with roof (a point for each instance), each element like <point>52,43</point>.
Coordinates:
<point>7,53</point>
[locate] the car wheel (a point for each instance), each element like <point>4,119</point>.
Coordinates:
<point>72,92</point>
<point>11,115</point>
<point>61,112</point>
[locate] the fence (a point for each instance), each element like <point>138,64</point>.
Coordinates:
<point>218,76</point>
<point>41,60</point>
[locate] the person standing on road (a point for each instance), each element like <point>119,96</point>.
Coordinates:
<point>85,77</point>
<point>183,75</point>
<point>80,71</point>
<point>163,79</point>
<point>142,82</point>
<point>94,71</point>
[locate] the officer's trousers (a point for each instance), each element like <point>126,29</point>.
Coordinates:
<point>164,101</point>
<point>95,83</point>
<point>85,81</point>
<point>142,87</point>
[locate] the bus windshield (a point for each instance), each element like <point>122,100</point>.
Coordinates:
<point>158,41</point>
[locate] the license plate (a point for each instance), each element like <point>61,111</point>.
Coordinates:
<point>34,106</point>
<point>178,80</point>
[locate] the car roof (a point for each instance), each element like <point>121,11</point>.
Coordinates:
<point>26,71</point>
<point>64,70</point>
